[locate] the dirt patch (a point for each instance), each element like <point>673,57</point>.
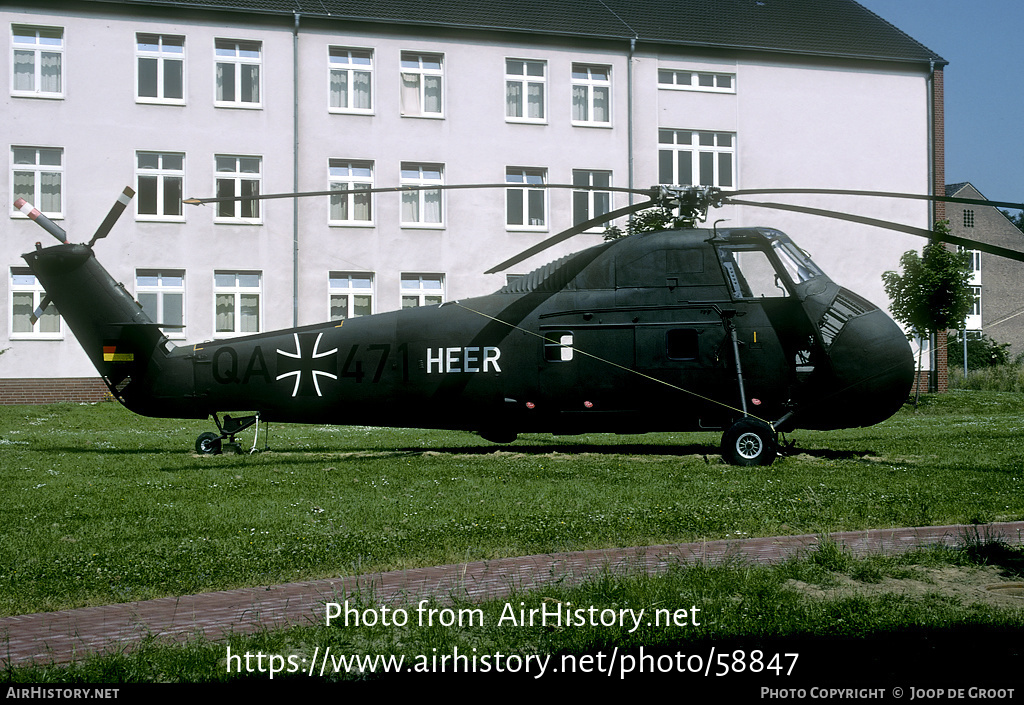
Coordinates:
<point>969,585</point>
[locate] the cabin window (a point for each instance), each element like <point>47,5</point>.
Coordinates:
<point>558,346</point>
<point>681,344</point>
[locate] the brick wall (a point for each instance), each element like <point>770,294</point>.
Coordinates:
<point>49,390</point>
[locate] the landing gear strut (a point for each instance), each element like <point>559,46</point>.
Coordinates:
<point>210,443</point>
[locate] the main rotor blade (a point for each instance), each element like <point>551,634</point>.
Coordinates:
<point>41,220</point>
<point>898,227</point>
<point>113,214</point>
<point>566,234</point>
<point>408,187</point>
<point>880,194</point>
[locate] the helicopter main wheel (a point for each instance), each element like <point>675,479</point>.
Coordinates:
<point>750,442</point>
<point>208,444</point>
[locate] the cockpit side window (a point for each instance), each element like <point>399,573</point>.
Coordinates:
<point>751,274</point>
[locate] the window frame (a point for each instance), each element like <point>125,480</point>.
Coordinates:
<point>38,49</point>
<point>524,80</point>
<point>421,195</point>
<point>420,292</point>
<point>239,178</point>
<point>350,292</point>
<point>162,175</point>
<point>37,169</point>
<point>236,61</point>
<point>591,85</point>
<point>350,68</point>
<point>175,330</point>
<point>237,291</point>
<point>350,181</point>
<point>162,58</point>
<point>528,198</point>
<point>697,150</point>
<point>695,77</point>
<point>591,195</point>
<point>422,72</point>
<point>38,293</point>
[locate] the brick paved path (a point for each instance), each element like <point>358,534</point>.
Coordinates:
<point>61,636</point>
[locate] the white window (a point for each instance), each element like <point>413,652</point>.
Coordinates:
<point>37,65</point>
<point>239,177</point>
<point>161,68</point>
<point>238,73</point>
<point>160,179</point>
<point>352,208</point>
<point>351,295</point>
<point>162,295</point>
<point>591,95</point>
<point>37,175</point>
<point>525,90</point>
<point>587,204</point>
<point>422,290</point>
<point>973,320</point>
<point>697,81</point>
<point>351,88</point>
<point>422,207</point>
<point>237,302</point>
<point>526,208</point>
<point>26,296</point>
<point>422,76</point>
<point>691,158</point>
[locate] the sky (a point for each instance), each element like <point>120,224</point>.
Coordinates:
<point>984,84</point>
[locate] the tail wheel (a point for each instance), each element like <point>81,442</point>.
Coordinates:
<point>208,444</point>
<point>750,442</point>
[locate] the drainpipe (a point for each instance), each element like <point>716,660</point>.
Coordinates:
<point>295,172</point>
<point>629,115</point>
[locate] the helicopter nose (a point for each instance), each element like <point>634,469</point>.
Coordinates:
<point>874,370</point>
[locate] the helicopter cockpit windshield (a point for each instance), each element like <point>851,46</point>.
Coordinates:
<point>766,267</point>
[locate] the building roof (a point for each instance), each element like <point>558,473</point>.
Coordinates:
<point>834,28</point>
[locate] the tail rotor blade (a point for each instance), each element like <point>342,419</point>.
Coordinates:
<point>41,220</point>
<point>115,212</point>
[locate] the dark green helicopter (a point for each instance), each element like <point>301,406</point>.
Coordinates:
<point>687,329</point>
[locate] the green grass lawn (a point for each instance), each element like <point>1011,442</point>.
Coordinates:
<point>103,506</point>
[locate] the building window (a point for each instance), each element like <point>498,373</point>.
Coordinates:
<point>352,208</point>
<point>968,218</point>
<point>697,81</point>
<point>351,88</point>
<point>37,175</point>
<point>591,95</point>
<point>526,208</point>
<point>160,179</point>
<point>525,90</point>
<point>423,207</point>
<point>238,177</point>
<point>237,302</point>
<point>161,68</point>
<point>37,66</point>
<point>422,290</point>
<point>351,295</point>
<point>421,85</point>
<point>690,158</point>
<point>162,295</point>
<point>238,73</point>
<point>26,296</point>
<point>587,204</point>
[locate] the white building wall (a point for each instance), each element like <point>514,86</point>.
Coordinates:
<point>796,124</point>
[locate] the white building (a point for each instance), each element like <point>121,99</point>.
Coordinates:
<point>191,98</point>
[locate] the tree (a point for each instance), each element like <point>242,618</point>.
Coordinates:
<point>646,221</point>
<point>933,294</point>
<point>1017,220</point>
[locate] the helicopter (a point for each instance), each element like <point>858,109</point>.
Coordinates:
<point>690,328</point>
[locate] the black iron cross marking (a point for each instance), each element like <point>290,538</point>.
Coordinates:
<point>304,369</point>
